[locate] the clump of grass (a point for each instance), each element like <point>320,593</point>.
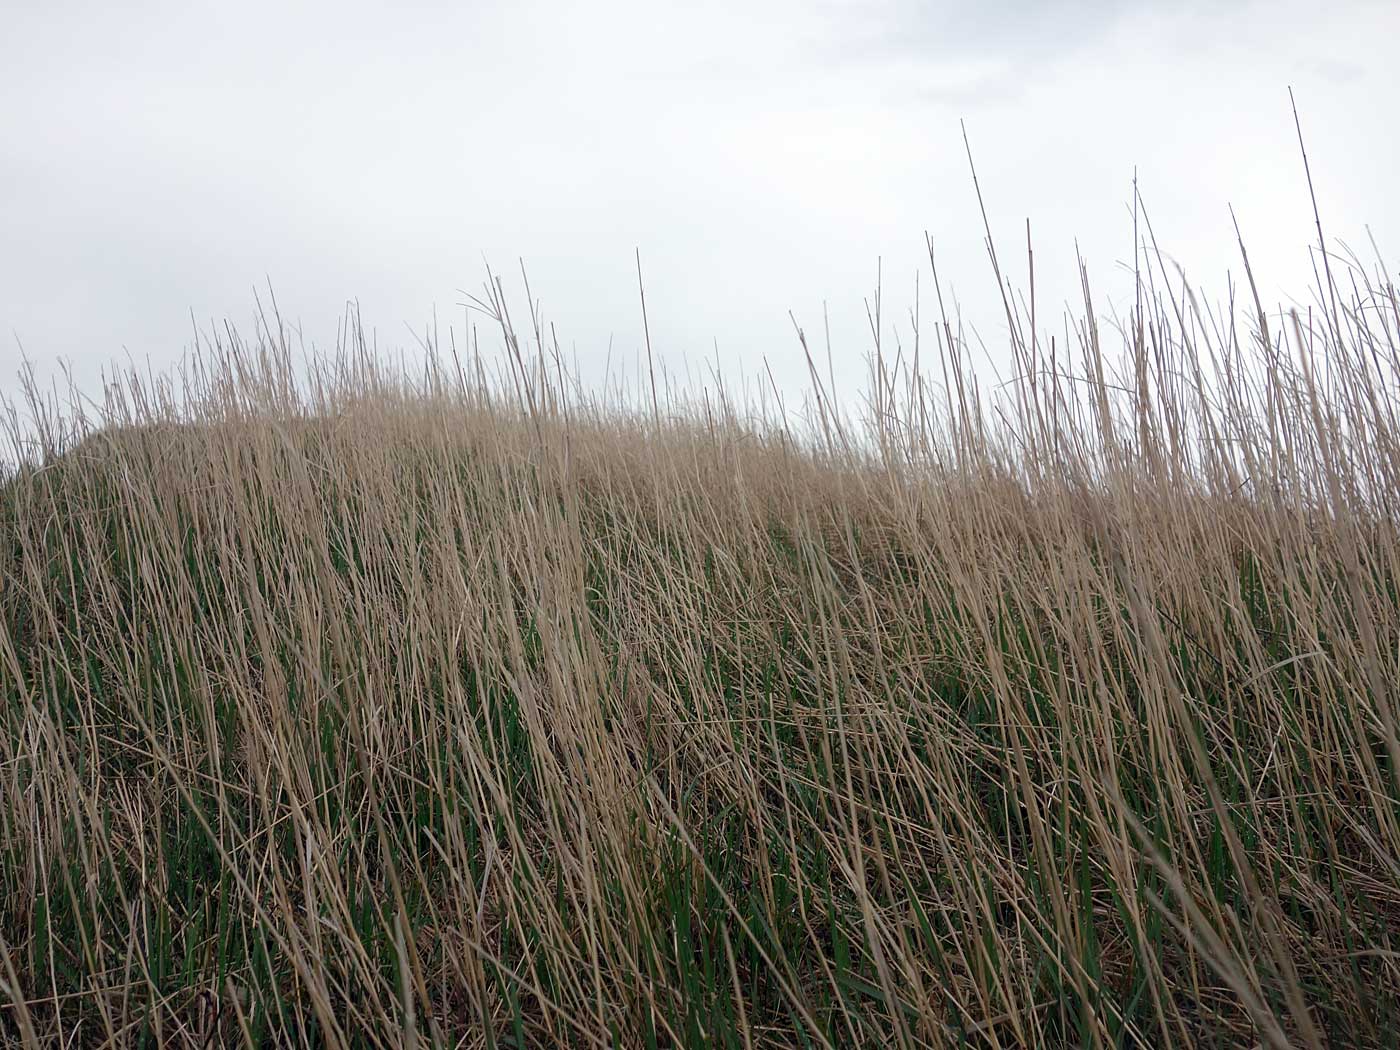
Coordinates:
<point>348,707</point>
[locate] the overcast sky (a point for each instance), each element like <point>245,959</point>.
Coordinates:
<point>162,160</point>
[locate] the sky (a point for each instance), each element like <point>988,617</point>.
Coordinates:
<point>161,162</point>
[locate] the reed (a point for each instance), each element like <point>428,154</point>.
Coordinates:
<point>346,705</point>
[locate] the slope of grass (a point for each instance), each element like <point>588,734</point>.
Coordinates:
<point>404,712</point>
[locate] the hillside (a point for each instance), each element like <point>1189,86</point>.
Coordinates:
<point>413,713</point>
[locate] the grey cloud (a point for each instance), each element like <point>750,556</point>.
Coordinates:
<point>958,29</point>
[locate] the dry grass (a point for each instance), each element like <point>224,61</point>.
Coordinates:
<point>368,710</point>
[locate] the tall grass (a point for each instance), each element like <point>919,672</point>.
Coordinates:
<point>344,706</point>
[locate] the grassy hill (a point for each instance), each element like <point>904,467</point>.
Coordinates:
<point>399,711</point>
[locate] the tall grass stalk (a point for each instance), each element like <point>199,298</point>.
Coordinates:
<point>350,706</point>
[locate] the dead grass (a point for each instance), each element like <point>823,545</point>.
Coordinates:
<point>368,709</point>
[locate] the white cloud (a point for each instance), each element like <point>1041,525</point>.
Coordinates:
<point>161,160</point>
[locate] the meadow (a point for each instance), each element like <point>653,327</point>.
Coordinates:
<point>350,705</point>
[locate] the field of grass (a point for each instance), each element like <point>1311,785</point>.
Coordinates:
<point>346,707</point>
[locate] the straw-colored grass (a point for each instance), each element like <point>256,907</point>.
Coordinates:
<point>364,709</point>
